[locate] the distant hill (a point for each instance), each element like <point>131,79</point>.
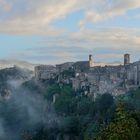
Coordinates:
<point>14,73</point>
<point>6,63</point>
<point>11,78</point>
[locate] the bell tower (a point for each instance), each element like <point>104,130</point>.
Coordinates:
<point>90,61</point>
<point>126,59</point>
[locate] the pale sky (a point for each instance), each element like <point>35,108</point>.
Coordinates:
<point>55,31</point>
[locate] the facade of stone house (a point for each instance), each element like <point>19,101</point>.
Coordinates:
<point>96,79</point>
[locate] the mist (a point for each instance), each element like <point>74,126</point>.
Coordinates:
<point>22,110</point>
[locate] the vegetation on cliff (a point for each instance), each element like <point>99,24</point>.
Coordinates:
<point>49,110</point>
<point>83,118</point>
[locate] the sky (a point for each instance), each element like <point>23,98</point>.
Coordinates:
<point>57,31</point>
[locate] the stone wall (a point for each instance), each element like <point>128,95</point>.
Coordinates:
<point>99,80</point>
<point>112,79</point>
<point>45,72</point>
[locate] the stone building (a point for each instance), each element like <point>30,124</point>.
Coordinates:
<point>44,72</point>
<point>132,73</point>
<point>83,66</point>
<point>95,79</point>
<point>64,66</point>
<point>126,59</point>
<point>112,79</point>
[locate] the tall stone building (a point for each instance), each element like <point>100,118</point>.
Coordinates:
<point>126,59</point>
<point>90,61</point>
<point>96,79</point>
<point>45,72</point>
<point>112,79</point>
<point>64,66</point>
<point>83,66</point>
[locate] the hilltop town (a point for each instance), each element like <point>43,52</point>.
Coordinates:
<point>92,79</point>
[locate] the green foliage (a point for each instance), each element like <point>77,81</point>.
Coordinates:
<point>67,90</point>
<point>124,127</point>
<point>103,103</point>
<point>64,90</point>
<point>85,119</point>
<point>92,131</point>
<point>51,90</point>
<point>132,98</point>
<point>103,108</point>
<point>70,125</point>
<point>31,85</point>
<point>65,103</point>
<point>40,134</point>
<point>83,106</point>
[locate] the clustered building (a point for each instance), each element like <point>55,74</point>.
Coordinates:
<point>93,79</point>
<point>45,72</point>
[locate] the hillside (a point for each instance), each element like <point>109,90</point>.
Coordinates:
<point>7,63</point>
<point>47,110</point>
<point>12,78</point>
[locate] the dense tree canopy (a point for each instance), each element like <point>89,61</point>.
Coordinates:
<point>82,118</point>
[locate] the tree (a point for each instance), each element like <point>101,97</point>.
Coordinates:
<point>92,131</point>
<point>124,127</point>
<point>53,89</point>
<point>83,106</point>
<point>66,102</point>
<point>104,102</point>
<point>40,134</point>
<point>103,107</point>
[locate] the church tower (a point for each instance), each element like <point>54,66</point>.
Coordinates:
<point>90,61</point>
<point>126,59</point>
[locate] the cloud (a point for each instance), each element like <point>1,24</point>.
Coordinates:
<point>35,17</point>
<point>109,9</point>
<point>115,38</point>
<point>107,44</point>
<point>5,6</point>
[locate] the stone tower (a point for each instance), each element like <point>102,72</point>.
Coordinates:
<point>90,61</point>
<point>126,59</point>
